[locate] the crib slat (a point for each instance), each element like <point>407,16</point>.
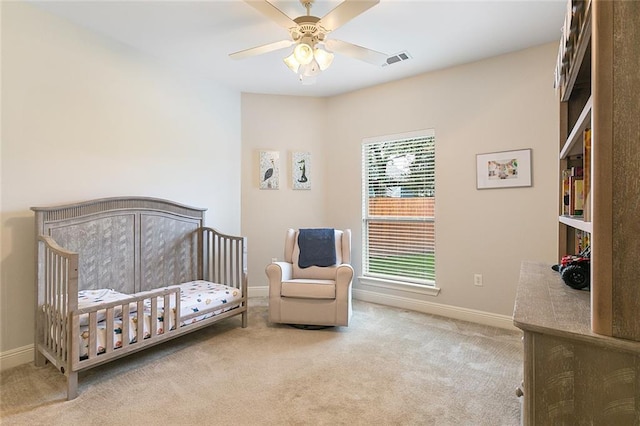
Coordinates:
<point>225,254</point>
<point>56,306</point>
<point>110,332</point>
<point>125,326</point>
<point>167,314</point>
<point>51,308</point>
<point>140,321</point>
<point>47,299</point>
<point>63,308</point>
<point>238,269</point>
<point>74,350</point>
<point>93,332</point>
<point>154,317</point>
<point>220,252</point>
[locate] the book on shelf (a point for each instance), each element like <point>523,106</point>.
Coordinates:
<point>566,195</point>
<point>586,174</point>
<point>577,171</point>
<point>573,191</point>
<point>582,241</point>
<point>576,201</point>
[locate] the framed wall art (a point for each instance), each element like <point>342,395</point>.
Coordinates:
<point>269,170</point>
<point>506,169</point>
<point>301,170</point>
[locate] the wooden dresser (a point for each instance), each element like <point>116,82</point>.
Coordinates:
<point>572,376</point>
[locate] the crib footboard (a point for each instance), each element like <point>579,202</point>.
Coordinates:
<point>57,296</point>
<point>223,260</point>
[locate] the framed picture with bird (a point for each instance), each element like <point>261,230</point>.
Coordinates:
<point>269,170</point>
<point>300,170</point>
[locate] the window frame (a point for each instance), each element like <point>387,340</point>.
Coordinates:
<point>382,280</point>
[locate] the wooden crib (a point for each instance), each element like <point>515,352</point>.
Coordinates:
<point>150,253</point>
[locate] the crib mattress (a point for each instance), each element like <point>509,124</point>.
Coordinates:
<point>195,296</point>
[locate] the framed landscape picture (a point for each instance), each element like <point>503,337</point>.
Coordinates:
<point>506,169</point>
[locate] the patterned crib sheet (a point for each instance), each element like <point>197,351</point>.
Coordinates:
<point>88,298</point>
<point>195,296</point>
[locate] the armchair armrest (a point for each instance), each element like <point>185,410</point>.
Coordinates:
<point>281,271</point>
<point>344,278</point>
<point>278,272</point>
<point>344,275</point>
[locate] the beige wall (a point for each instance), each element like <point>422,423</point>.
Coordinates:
<point>284,124</point>
<point>84,117</point>
<point>498,104</point>
<point>502,103</point>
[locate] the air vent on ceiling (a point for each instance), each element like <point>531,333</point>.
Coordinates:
<point>399,57</point>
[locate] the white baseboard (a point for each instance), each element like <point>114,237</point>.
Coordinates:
<point>15,357</point>
<point>259,291</point>
<point>464,314</point>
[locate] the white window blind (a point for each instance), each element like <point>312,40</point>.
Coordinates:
<point>398,205</point>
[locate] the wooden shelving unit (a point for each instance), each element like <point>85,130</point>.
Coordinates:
<point>582,349</point>
<point>599,90</point>
<point>573,82</point>
<point>573,144</point>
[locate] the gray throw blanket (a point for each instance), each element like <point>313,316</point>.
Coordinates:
<point>317,247</point>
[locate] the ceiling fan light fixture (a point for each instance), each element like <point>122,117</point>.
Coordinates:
<point>310,70</point>
<point>323,58</point>
<point>303,53</point>
<point>312,52</point>
<point>292,63</point>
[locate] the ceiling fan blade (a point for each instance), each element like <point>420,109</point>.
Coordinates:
<point>259,50</point>
<point>272,12</point>
<point>344,12</point>
<point>355,51</point>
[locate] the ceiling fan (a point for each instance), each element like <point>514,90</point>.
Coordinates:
<point>313,51</point>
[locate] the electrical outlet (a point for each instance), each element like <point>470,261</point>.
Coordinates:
<point>477,280</point>
<point>274,259</point>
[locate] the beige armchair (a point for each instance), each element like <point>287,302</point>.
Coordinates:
<point>313,295</point>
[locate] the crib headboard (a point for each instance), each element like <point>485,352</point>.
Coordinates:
<point>129,244</point>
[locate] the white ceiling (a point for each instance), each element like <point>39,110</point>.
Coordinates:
<point>199,35</point>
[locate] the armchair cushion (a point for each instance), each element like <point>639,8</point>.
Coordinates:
<point>309,289</point>
<point>317,247</point>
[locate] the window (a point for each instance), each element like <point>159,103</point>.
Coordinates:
<point>398,208</point>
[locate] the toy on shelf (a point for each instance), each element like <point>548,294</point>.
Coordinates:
<point>575,269</point>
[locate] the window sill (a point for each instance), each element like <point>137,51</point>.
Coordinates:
<point>399,286</point>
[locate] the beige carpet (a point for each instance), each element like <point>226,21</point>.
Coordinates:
<point>391,366</point>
